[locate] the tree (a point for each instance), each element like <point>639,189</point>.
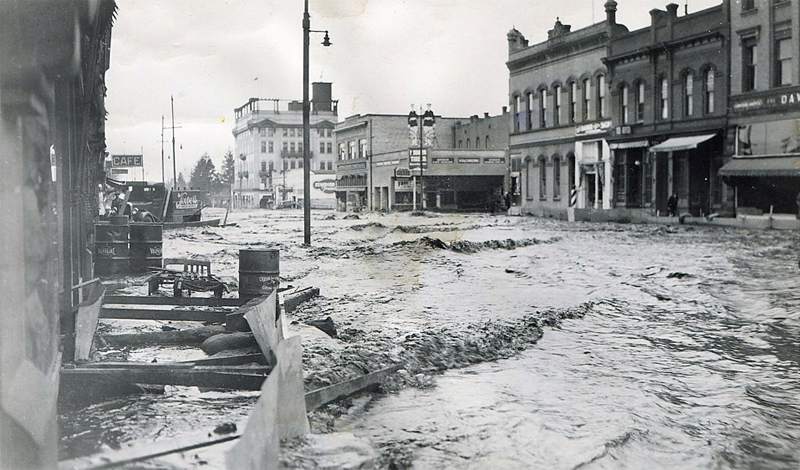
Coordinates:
<point>227,175</point>
<point>181,181</point>
<point>204,175</point>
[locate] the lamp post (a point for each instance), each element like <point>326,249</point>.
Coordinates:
<point>306,118</point>
<point>421,121</point>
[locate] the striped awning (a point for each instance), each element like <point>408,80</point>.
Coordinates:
<point>763,165</point>
<point>674,144</point>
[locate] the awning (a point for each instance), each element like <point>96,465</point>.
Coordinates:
<point>628,145</point>
<point>763,165</point>
<point>681,143</point>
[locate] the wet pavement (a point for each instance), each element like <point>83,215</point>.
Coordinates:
<point>527,343</point>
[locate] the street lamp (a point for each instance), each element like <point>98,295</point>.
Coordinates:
<point>306,138</point>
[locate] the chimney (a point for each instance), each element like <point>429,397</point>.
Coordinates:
<point>655,15</point>
<point>485,115</point>
<point>672,13</point>
<point>611,12</point>
<point>505,109</point>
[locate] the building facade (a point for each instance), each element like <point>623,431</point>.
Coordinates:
<point>668,88</point>
<point>385,164</point>
<point>764,112</point>
<point>560,118</point>
<point>269,151</point>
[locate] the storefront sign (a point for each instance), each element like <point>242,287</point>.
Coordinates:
<point>494,160</point>
<point>442,161</point>
<point>326,186</point>
<point>593,128</point>
<point>186,201</point>
<point>776,100</point>
<point>388,163</point>
<point>469,160</point>
<point>352,166</point>
<point>126,160</point>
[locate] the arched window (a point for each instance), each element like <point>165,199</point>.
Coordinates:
<point>542,178</point>
<point>542,108</point>
<point>468,146</point>
<point>688,94</point>
<point>557,105</point>
<point>517,114</point>
<point>529,113</point>
<point>601,96</point>
<point>529,179</point>
<point>477,142</point>
<point>708,91</point>
<point>664,98</point>
<point>573,102</point>
<point>556,178</point>
<point>640,101</point>
<point>587,99</point>
<point>623,104</point>
<point>486,142</point>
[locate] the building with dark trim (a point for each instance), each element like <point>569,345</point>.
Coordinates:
<point>669,92</point>
<point>764,110</point>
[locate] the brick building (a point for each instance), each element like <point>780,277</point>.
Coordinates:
<point>373,170</point>
<point>764,112</point>
<point>269,151</point>
<point>560,117</point>
<point>668,87</point>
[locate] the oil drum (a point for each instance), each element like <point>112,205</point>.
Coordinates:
<point>146,244</point>
<point>111,249</point>
<point>259,272</point>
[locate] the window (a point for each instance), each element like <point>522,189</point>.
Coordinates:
<point>486,142</point>
<point>664,98</point>
<point>556,178</point>
<point>352,151</point>
<point>263,166</point>
<point>300,164</point>
<point>299,132</point>
<point>460,143</point>
<point>286,164</point>
<point>601,96</point>
<point>542,178</point>
<point>322,147</point>
<point>623,102</point>
<point>330,165</point>
<point>321,165</point>
<point>688,94</point>
<point>329,147</point>
<point>285,132</point>
<point>573,102</point>
<point>271,166</point>
<point>263,147</point>
<point>557,105</point>
<point>286,147</point>
<point>300,147</point>
<point>362,148</point>
<point>292,164</point>
<point>477,142</point>
<point>329,132</point>
<point>271,147</point>
<point>342,151</point>
<point>291,132</point>
<point>291,147</point>
<point>749,65</point>
<point>783,62</point>
<point>587,99</point>
<point>748,5</point>
<point>517,115</point>
<point>528,113</point>
<point>542,108</point>
<point>640,102</point>
<point>321,132</point>
<point>271,132</point>
<point>468,143</point>
<point>262,132</point>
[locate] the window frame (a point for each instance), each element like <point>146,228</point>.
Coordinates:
<point>749,65</point>
<point>624,103</point>
<point>557,105</point>
<point>782,65</point>
<point>664,99</point>
<point>573,102</point>
<point>688,94</point>
<point>601,96</point>
<point>542,178</point>
<point>641,99</point>
<point>556,178</point>
<point>542,108</point>
<point>709,100</point>
<point>587,99</point>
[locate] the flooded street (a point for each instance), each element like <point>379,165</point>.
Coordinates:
<point>528,343</point>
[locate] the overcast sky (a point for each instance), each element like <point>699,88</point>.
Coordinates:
<point>213,55</point>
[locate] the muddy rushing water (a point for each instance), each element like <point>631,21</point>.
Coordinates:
<point>528,343</point>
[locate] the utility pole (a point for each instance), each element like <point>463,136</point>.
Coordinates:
<point>162,149</point>
<point>174,155</point>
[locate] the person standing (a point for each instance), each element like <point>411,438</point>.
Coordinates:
<point>672,205</point>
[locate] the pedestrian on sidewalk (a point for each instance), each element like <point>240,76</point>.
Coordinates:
<point>672,205</point>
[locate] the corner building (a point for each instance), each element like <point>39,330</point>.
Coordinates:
<point>559,123</point>
<point>269,151</point>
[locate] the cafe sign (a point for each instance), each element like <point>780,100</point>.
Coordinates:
<point>126,160</point>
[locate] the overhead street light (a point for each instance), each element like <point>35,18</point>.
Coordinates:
<point>306,124</point>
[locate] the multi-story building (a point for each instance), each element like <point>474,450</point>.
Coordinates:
<point>560,117</point>
<point>764,111</point>
<point>668,95</point>
<point>269,151</point>
<point>375,170</point>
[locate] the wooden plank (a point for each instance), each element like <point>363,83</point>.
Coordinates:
<point>215,316</point>
<point>206,378</point>
<point>328,394</point>
<point>181,301</point>
<point>256,358</point>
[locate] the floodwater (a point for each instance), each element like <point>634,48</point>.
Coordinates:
<point>528,343</point>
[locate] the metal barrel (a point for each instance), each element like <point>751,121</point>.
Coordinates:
<point>119,220</point>
<point>259,272</point>
<point>146,244</point>
<point>111,249</point>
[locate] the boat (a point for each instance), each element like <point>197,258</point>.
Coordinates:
<point>154,202</point>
